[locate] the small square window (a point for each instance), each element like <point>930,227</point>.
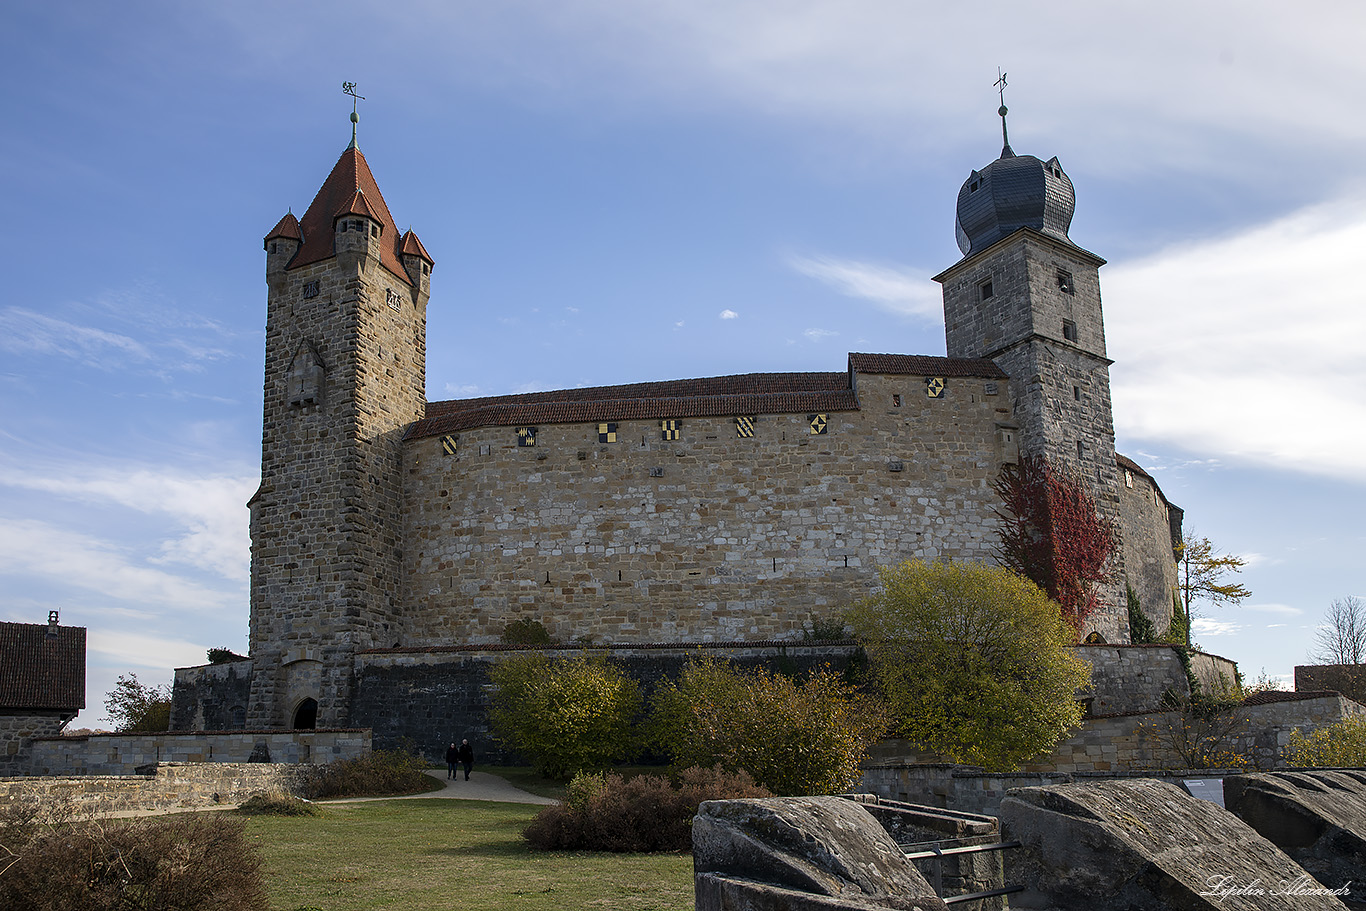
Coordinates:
<point>896,400</point>
<point>985,290</point>
<point>1065,284</point>
<point>1069,330</point>
<point>1128,478</point>
<point>1076,393</point>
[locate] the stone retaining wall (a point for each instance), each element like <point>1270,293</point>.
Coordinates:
<point>123,754</point>
<point>165,786</point>
<point>17,731</point>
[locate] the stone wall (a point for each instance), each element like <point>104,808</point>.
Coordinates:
<point>17,732</point>
<point>1150,526</point>
<point>122,754</point>
<point>1133,678</point>
<point>433,697</point>
<point>211,697</point>
<point>167,786</point>
<point>1347,679</point>
<point>711,537</point>
<point>1216,675</point>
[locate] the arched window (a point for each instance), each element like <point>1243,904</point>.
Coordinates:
<point>306,715</point>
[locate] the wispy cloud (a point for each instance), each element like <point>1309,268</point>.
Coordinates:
<point>25,332</point>
<point>1203,626</point>
<point>907,292</point>
<point>146,651</point>
<point>728,314</point>
<point>1285,609</point>
<point>817,335</point>
<point>1248,347</point>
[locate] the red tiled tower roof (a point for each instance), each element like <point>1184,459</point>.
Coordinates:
<point>286,228</point>
<point>349,182</point>
<point>409,244</point>
<point>39,671</point>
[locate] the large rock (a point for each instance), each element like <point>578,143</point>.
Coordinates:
<point>1318,818</point>
<point>1144,845</point>
<point>800,854</point>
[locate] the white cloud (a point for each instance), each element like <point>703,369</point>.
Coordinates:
<point>1274,609</point>
<point>1203,626</point>
<point>728,314</point>
<point>1248,347</point>
<point>907,292</point>
<point>63,558</point>
<point>25,332</point>
<point>817,335</point>
<point>146,651</point>
<point>209,511</point>
<point>464,390</point>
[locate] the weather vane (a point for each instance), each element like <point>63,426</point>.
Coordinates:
<point>350,89</point>
<point>1000,83</point>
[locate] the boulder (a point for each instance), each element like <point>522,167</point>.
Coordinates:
<point>800,854</point>
<point>1144,845</point>
<point>1318,818</point>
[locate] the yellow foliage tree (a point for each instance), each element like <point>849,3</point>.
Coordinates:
<point>975,661</point>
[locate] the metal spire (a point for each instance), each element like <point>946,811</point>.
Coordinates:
<point>350,89</point>
<point>1000,83</point>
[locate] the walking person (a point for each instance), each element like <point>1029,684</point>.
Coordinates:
<point>452,757</point>
<point>466,753</point>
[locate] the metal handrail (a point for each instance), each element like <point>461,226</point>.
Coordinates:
<point>938,855</point>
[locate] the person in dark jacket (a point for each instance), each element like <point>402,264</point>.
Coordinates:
<point>452,757</point>
<point>466,753</point>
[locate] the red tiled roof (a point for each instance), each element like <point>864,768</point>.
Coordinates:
<point>357,205</point>
<point>350,177</point>
<point>745,394</point>
<point>409,244</point>
<point>925,365</point>
<point>287,227</point>
<point>1267,697</point>
<point>38,672</point>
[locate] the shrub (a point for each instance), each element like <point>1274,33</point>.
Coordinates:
<point>1341,745</point>
<point>191,861</point>
<point>133,706</point>
<point>526,632</point>
<point>380,773</point>
<point>1199,733</point>
<point>566,716</point>
<point>645,813</point>
<point>792,737</point>
<point>276,804</point>
<point>975,661</point>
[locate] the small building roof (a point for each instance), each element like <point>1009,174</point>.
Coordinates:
<point>410,245</point>
<point>286,228</point>
<point>42,667</point>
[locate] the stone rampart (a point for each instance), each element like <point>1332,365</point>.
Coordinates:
<point>432,697</point>
<point>122,754</point>
<point>1133,678</point>
<point>211,697</point>
<point>711,536</point>
<point>164,786</point>
<point>17,733</point>
<point>1347,679</point>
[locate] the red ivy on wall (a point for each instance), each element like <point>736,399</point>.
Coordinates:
<point>1052,535</point>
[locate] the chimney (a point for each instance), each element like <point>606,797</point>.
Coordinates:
<point>52,624</point>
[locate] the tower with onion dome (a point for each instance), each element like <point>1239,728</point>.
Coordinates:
<point>1028,298</point>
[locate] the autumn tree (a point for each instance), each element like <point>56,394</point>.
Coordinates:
<point>133,706</point>
<point>975,661</point>
<point>794,737</point>
<point>1052,535</point>
<point>1201,571</point>
<point>569,715</point>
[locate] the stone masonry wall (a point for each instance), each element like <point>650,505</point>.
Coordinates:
<point>1133,678</point>
<point>17,732</point>
<point>707,538</point>
<point>122,754</point>
<point>436,697</point>
<point>1149,564</point>
<point>170,786</point>
<point>1347,679</point>
<point>211,697</point>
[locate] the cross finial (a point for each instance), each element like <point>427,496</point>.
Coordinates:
<point>350,89</point>
<point>1000,83</point>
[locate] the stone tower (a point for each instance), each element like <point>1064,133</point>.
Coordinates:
<point>345,373</point>
<point>1026,297</point>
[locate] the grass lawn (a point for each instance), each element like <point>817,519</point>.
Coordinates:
<point>464,854</point>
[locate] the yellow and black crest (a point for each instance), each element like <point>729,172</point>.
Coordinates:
<point>934,386</point>
<point>607,433</point>
<point>817,422</point>
<point>450,443</point>
<point>526,436</point>
<point>744,427</point>
<point>668,430</point>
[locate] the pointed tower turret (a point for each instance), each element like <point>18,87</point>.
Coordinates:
<point>345,374</point>
<point>1027,297</point>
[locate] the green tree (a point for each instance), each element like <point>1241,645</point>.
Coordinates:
<point>1200,571</point>
<point>794,737</point>
<point>224,656</point>
<point>570,715</point>
<point>132,706</point>
<point>975,661</point>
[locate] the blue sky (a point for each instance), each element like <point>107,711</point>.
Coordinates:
<point>618,191</point>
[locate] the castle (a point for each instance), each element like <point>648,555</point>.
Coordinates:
<point>391,532</point>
